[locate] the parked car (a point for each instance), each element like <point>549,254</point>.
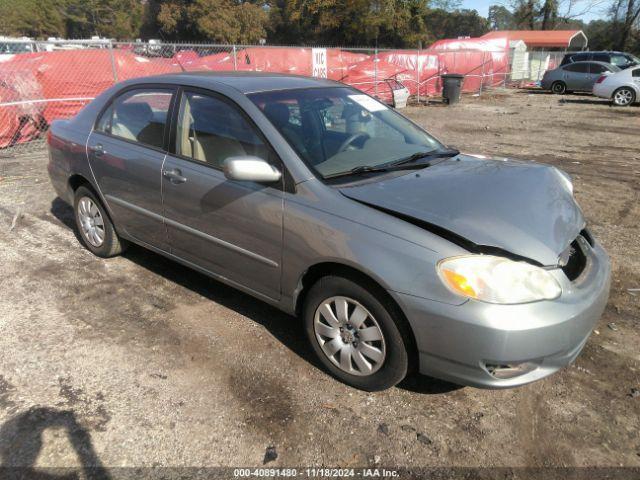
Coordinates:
<point>579,76</point>
<point>619,59</point>
<point>10,46</point>
<point>396,251</point>
<point>623,88</point>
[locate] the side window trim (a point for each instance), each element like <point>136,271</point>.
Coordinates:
<point>139,86</point>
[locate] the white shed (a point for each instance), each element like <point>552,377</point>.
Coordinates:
<point>519,60</point>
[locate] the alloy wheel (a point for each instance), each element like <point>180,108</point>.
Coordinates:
<point>91,222</point>
<point>623,97</point>
<point>349,336</point>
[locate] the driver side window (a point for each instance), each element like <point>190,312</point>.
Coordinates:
<point>210,130</point>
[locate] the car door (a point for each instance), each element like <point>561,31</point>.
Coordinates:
<point>230,228</point>
<point>596,70</point>
<point>576,76</point>
<point>126,150</point>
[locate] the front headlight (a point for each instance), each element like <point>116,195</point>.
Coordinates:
<point>497,279</point>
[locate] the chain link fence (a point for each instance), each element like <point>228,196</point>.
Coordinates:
<point>56,79</point>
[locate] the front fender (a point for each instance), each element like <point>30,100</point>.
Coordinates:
<point>366,240</point>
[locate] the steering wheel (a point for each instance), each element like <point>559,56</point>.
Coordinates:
<point>352,139</point>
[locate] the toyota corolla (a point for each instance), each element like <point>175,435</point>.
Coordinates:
<point>397,252</point>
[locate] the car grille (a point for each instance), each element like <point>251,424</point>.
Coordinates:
<point>576,261</point>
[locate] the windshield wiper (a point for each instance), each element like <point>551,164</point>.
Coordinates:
<point>358,170</point>
<point>382,168</point>
<point>406,163</point>
<point>451,152</point>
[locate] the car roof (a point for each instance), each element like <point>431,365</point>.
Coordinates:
<point>604,64</point>
<point>244,82</point>
<point>598,51</point>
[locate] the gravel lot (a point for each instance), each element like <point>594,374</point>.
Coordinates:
<point>137,361</point>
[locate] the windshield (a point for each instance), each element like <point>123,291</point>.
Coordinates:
<point>338,129</point>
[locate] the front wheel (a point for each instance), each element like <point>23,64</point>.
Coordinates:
<point>559,88</point>
<point>355,334</point>
<point>623,97</point>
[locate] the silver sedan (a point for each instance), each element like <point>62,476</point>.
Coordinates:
<point>622,88</point>
<point>577,76</point>
<point>396,252</point>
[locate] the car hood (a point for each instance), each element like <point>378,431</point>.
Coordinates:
<point>523,208</point>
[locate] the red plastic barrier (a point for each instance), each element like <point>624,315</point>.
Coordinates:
<point>363,76</point>
<point>297,61</point>
<point>483,61</point>
<point>69,79</point>
<point>19,122</point>
<point>416,66</point>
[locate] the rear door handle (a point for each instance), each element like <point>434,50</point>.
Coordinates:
<point>98,150</point>
<point>174,176</point>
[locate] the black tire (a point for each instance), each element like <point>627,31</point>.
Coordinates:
<point>629,94</point>
<point>397,345</point>
<point>559,88</point>
<point>111,244</point>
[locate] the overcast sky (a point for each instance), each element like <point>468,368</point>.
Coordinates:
<point>482,6</point>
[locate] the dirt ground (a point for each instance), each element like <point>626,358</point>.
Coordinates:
<point>137,361</point>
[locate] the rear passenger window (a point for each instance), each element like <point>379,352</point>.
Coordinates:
<point>210,130</point>
<point>577,67</point>
<point>601,57</point>
<point>138,115</point>
<point>597,68</point>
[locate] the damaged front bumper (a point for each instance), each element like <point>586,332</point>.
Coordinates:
<point>501,346</point>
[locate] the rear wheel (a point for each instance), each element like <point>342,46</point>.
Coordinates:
<point>94,225</point>
<point>559,88</point>
<point>623,97</point>
<point>355,333</point>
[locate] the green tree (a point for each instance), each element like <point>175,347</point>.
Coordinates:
<point>107,18</point>
<point>32,18</point>
<point>220,21</point>
<point>357,22</point>
<point>460,23</point>
<point>525,14</point>
<point>500,18</point>
<point>223,21</point>
<point>549,14</point>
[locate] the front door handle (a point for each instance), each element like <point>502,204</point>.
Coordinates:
<point>174,176</point>
<point>98,150</point>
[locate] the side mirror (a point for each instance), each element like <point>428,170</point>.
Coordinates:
<point>250,169</point>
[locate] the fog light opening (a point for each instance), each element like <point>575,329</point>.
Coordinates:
<point>504,371</point>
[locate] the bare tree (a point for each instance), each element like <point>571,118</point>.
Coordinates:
<point>625,15</point>
<point>549,14</point>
